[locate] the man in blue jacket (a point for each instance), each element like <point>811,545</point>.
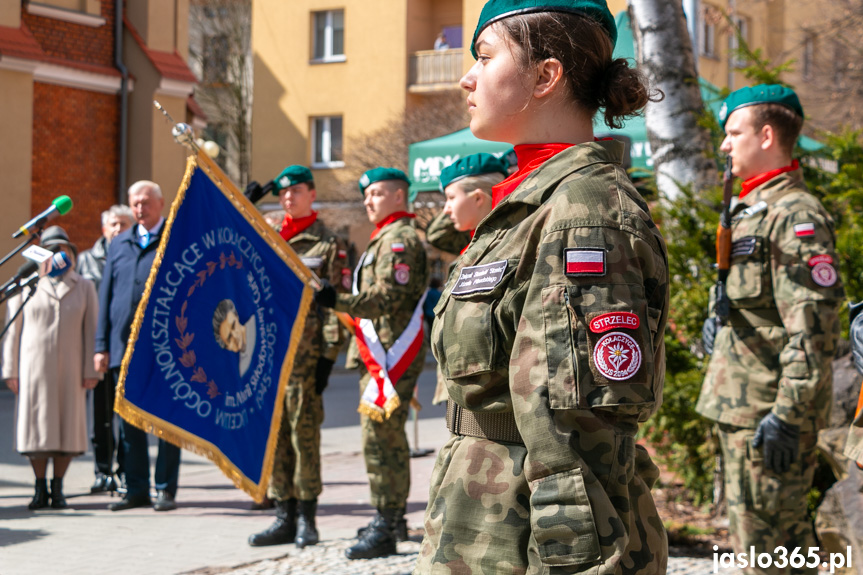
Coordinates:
<point>130,257</point>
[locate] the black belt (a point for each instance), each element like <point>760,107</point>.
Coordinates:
<point>494,426</point>
<point>765,317</point>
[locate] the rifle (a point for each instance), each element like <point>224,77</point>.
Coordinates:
<point>723,245</point>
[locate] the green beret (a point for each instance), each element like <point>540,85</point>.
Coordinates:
<point>495,10</point>
<point>291,176</point>
<point>382,174</point>
<point>761,94</point>
<point>472,165</point>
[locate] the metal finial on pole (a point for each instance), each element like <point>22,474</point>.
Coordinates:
<point>182,132</point>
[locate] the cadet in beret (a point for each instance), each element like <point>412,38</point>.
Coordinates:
<point>388,348</point>
<point>467,184</point>
<point>768,383</point>
<point>296,479</point>
<point>550,328</point>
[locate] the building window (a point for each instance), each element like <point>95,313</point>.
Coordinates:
<point>739,37</point>
<point>707,29</point>
<point>329,36</point>
<point>808,57</point>
<point>327,151</point>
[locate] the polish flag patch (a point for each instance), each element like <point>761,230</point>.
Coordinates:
<point>398,247</point>
<point>343,254</point>
<point>584,262</point>
<point>804,230</point>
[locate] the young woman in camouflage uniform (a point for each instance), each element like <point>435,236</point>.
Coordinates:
<point>550,328</point>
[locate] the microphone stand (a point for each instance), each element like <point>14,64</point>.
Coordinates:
<point>17,312</point>
<point>23,245</point>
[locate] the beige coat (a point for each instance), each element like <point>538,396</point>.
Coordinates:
<point>50,349</point>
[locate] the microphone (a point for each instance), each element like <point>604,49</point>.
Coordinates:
<point>59,207</point>
<point>25,270</point>
<point>28,282</point>
<point>59,264</point>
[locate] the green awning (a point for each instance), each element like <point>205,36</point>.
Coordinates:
<point>427,159</point>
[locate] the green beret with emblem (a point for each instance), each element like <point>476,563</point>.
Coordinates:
<point>495,10</point>
<point>472,165</point>
<point>761,94</point>
<point>291,176</point>
<point>382,174</point>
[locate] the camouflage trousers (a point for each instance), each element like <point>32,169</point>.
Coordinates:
<point>385,444</point>
<point>767,510</point>
<point>297,463</point>
<point>484,516</point>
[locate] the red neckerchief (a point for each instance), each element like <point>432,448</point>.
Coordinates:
<point>756,181</point>
<point>464,249</point>
<point>390,219</point>
<point>291,226</point>
<point>530,157</point>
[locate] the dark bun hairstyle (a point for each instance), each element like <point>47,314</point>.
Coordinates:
<point>584,49</point>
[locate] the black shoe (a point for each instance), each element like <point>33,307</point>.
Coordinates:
<point>164,501</point>
<point>58,501</point>
<point>284,528</point>
<point>100,484</point>
<point>40,497</point>
<point>307,531</point>
<point>378,540</point>
<point>130,502</point>
<point>400,529</point>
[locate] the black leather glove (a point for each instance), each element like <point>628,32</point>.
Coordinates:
<point>781,443</point>
<point>326,296</point>
<point>708,333</point>
<point>322,374</point>
<point>254,191</point>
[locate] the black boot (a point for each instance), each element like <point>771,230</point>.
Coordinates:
<point>378,539</point>
<point>57,499</point>
<point>284,528</point>
<point>40,498</point>
<point>400,529</point>
<point>307,532</point>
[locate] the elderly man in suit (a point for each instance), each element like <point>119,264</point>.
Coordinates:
<point>130,257</point>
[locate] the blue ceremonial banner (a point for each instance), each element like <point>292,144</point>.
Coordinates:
<point>214,337</point>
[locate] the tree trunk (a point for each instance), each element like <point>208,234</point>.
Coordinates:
<point>682,150</point>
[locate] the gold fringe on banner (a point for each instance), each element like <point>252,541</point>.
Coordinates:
<point>169,432</point>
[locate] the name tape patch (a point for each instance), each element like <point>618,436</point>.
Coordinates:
<point>752,210</point>
<point>312,262</point>
<point>479,278</point>
<point>822,259</point>
<point>584,262</point>
<point>804,230</point>
<point>614,320</point>
<point>743,246</point>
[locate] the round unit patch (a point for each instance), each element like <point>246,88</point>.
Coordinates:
<point>402,274</point>
<point>824,274</point>
<point>617,356</point>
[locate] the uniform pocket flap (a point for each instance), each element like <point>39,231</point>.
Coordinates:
<point>562,520</point>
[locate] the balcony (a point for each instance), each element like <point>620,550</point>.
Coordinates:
<point>435,70</point>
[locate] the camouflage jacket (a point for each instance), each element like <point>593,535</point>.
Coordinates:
<point>854,444</point>
<point>556,312</point>
<point>441,234</point>
<point>323,252</point>
<point>775,354</point>
<point>392,276</point>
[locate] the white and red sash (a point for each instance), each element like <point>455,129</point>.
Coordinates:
<point>379,398</point>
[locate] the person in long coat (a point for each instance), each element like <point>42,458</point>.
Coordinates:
<point>47,362</point>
